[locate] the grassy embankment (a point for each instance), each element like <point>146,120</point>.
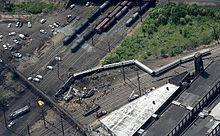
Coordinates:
<point>27,7</point>
<point>168,31</point>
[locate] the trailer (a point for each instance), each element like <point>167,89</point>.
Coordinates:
<point>143,8</point>
<point>104,6</point>
<point>77,45</point>
<point>89,34</point>
<point>130,4</point>
<point>131,20</point>
<point>109,24</point>
<point>121,13</point>
<point>100,26</point>
<point>113,13</point>
<point>67,40</point>
<point>124,3</point>
<point>18,113</point>
<point>94,16</point>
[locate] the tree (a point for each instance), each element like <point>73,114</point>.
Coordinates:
<point>182,21</point>
<point>3,102</point>
<point>162,19</point>
<point>143,30</point>
<point>162,52</point>
<point>188,18</point>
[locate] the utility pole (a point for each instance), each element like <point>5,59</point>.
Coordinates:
<point>109,48</point>
<point>139,86</point>
<point>28,129</point>
<point>214,31</point>
<point>3,110</point>
<point>43,117</point>
<point>61,121</point>
<point>92,42</point>
<point>140,10</point>
<point>123,72</point>
<point>58,68</point>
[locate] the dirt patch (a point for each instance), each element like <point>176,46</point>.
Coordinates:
<point>51,116</point>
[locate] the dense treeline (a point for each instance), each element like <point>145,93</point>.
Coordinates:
<point>26,7</point>
<point>169,30</point>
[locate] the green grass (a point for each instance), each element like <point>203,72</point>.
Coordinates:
<point>27,7</point>
<point>168,31</point>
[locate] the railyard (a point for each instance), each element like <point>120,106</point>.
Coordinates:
<point>112,92</point>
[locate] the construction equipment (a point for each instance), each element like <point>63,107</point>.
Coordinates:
<point>95,76</point>
<point>68,96</point>
<point>70,74</point>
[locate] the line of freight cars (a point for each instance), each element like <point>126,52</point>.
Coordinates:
<point>86,23</point>
<point>114,15</point>
<point>136,15</point>
<point>104,24</point>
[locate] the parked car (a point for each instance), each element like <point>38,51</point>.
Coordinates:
<point>0,40</point>
<point>16,41</point>
<point>29,78</point>
<point>29,25</point>
<point>72,6</point>
<point>101,113</point>
<point>1,36</point>
<point>43,31</point>
<point>50,67</point>
<point>58,58</point>
<point>9,46</point>
<point>55,25</point>
<point>1,60</point>
<point>87,4</point>
<point>51,26</point>
<point>22,36</point>
<point>18,55</point>
<point>58,23</point>
<point>42,21</point>
<point>26,35</point>
<point>20,24</point>
<point>39,77</point>
<point>5,47</point>
<point>11,124</point>
<point>36,79</point>
<point>17,24</point>
<point>9,25</point>
<point>12,34</point>
<point>68,17</point>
